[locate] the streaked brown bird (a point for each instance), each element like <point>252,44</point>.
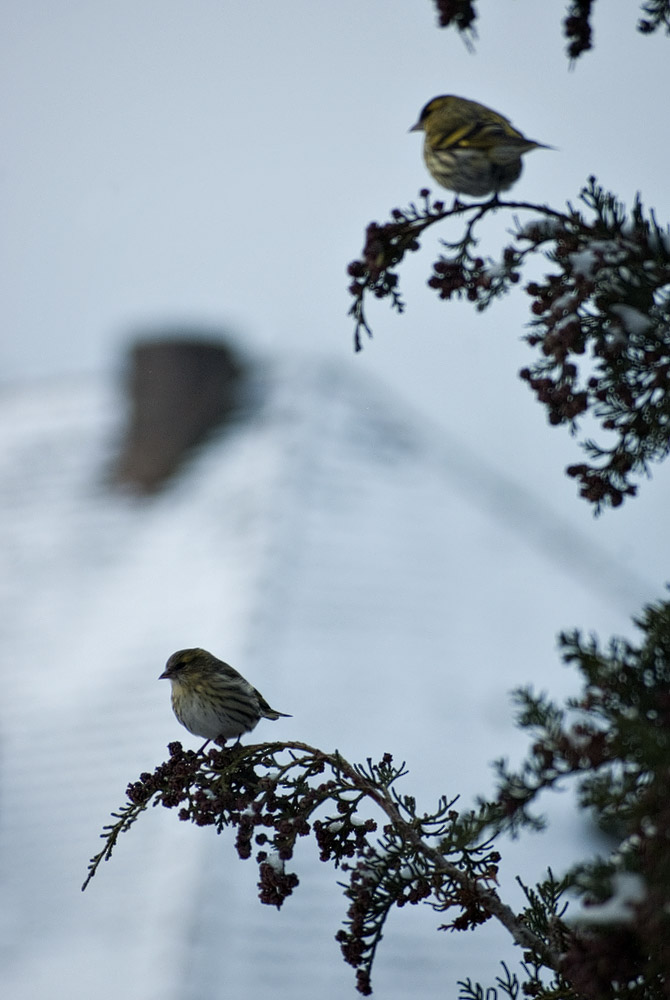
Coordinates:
<point>211,699</point>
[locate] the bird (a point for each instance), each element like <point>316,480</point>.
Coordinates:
<point>469,148</point>
<point>211,699</point>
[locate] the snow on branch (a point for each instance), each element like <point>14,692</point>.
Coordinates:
<point>601,315</point>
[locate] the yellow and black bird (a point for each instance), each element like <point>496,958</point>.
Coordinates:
<point>469,148</point>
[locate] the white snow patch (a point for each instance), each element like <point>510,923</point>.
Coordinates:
<point>629,890</point>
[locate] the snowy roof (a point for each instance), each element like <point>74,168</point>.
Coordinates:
<point>336,552</point>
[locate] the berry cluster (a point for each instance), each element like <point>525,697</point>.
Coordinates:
<point>601,317</point>
<point>459,13</point>
<point>602,325</point>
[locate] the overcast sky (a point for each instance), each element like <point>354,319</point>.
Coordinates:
<point>216,162</point>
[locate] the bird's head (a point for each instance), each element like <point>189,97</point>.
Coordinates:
<point>182,661</point>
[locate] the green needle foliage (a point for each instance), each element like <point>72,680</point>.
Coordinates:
<point>613,742</point>
<point>600,323</point>
<point>600,330</point>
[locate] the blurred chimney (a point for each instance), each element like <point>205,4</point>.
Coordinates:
<point>180,390</point>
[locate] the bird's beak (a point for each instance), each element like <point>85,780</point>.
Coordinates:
<point>164,676</point>
<point>417,128</point>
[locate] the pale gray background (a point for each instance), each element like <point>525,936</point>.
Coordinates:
<point>216,163</point>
